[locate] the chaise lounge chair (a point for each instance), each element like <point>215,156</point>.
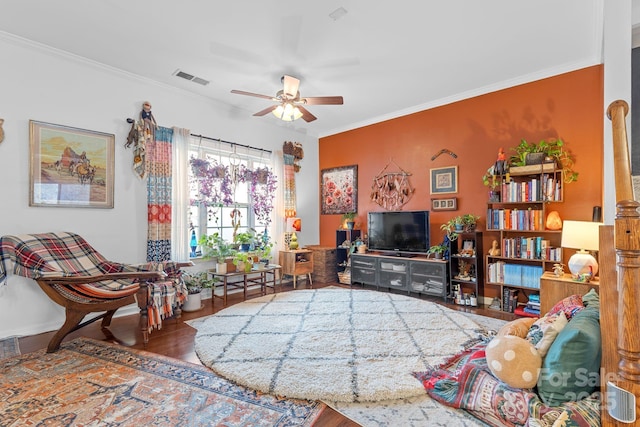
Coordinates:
<point>76,276</point>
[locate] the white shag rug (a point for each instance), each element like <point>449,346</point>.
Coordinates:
<point>332,344</point>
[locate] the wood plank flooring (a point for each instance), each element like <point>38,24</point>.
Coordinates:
<point>176,338</point>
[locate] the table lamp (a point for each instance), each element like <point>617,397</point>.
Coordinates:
<point>584,236</point>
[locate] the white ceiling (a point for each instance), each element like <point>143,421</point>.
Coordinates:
<point>385,58</point>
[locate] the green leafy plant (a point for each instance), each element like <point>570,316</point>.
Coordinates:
<point>554,150</point>
<point>244,238</point>
<point>244,258</point>
<point>437,250</point>
<point>454,226</point>
<point>349,216</point>
<point>197,281</point>
<point>215,247</point>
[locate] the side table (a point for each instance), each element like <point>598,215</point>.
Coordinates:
<point>296,263</point>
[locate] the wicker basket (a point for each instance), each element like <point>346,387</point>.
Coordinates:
<point>344,277</point>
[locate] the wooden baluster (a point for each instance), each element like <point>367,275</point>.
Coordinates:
<point>627,248</point>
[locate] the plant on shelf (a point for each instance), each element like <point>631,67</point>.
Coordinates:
<point>438,251</point>
<point>551,151</point>
<point>263,247</point>
<point>245,239</point>
<point>348,218</point>
<point>215,247</point>
<point>459,224</point>
<point>244,261</point>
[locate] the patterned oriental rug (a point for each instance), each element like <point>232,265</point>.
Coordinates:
<point>332,344</point>
<point>92,383</point>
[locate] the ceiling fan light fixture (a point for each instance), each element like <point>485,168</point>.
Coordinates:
<point>287,112</point>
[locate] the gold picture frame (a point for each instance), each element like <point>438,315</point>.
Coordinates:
<point>444,180</point>
<point>70,167</point>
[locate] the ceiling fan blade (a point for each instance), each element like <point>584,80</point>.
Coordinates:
<point>266,110</point>
<point>291,86</point>
<point>257,95</point>
<point>323,100</point>
<point>306,115</point>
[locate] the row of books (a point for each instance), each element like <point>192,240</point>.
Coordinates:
<point>509,299</point>
<point>526,276</point>
<point>530,248</point>
<point>515,219</point>
<point>545,189</point>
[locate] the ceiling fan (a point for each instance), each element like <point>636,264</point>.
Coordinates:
<point>289,105</point>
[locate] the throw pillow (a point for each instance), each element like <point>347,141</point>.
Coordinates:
<point>514,360</point>
<point>571,368</point>
<point>591,298</point>
<point>545,330</point>
<point>519,327</point>
<point>569,305</point>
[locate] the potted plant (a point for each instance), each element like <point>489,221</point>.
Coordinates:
<point>244,239</point>
<point>263,249</point>
<point>243,261</point>
<point>469,222</point>
<point>195,283</point>
<point>215,247</point>
<point>438,251</point>
<point>545,151</point>
<point>348,218</point>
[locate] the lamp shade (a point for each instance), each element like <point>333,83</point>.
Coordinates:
<point>294,225</point>
<point>584,236</point>
<point>287,112</point>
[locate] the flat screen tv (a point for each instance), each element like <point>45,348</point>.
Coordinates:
<point>402,232</point>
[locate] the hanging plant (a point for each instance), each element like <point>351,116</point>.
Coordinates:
<point>262,190</point>
<point>211,182</point>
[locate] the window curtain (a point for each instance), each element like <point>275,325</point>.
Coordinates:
<point>278,227</point>
<point>180,187</point>
<point>289,186</point>
<point>158,165</point>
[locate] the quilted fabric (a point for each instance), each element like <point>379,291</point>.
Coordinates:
<point>569,305</point>
<point>465,382</point>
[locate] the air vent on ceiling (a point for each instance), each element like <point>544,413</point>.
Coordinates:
<point>191,77</point>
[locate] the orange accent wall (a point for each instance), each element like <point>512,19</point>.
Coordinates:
<point>568,106</point>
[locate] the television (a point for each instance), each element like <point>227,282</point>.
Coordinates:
<point>404,233</point>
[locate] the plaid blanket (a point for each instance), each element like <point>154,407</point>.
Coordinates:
<point>69,255</point>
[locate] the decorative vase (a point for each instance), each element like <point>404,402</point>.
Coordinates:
<point>350,225</point>
<point>193,302</point>
<point>293,244</point>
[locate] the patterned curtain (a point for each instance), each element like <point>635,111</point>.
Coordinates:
<point>158,169</point>
<point>289,186</point>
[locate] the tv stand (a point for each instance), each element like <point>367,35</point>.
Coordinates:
<point>415,274</point>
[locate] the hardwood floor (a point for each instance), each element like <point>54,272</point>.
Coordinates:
<point>176,338</point>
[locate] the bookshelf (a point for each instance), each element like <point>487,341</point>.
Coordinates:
<point>516,216</point>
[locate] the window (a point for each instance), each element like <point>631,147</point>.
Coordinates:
<point>225,220</point>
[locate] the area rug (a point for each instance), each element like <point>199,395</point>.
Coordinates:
<point>92,383</point>
<point>9,347</point>
<point>332,344</point>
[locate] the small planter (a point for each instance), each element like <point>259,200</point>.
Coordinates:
<point>193,302</point>
<point>221,268</point>
<point>534,158</point>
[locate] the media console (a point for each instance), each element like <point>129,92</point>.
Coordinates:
<point>417,274</point>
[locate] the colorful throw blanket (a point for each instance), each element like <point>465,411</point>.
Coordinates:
<point>67,254</point>
<point>465,382</point>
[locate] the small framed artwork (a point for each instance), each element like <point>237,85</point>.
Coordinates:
<point>450,204</point>
<point>70,167</point>
<point>444,180</point>
<point>339,190</point>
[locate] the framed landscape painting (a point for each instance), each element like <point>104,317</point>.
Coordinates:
<point>339,190</point>
<point>70,167</point>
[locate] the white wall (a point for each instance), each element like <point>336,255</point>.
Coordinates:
<point>48,86</point>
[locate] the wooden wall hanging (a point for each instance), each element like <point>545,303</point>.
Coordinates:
<point>391,190</point>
